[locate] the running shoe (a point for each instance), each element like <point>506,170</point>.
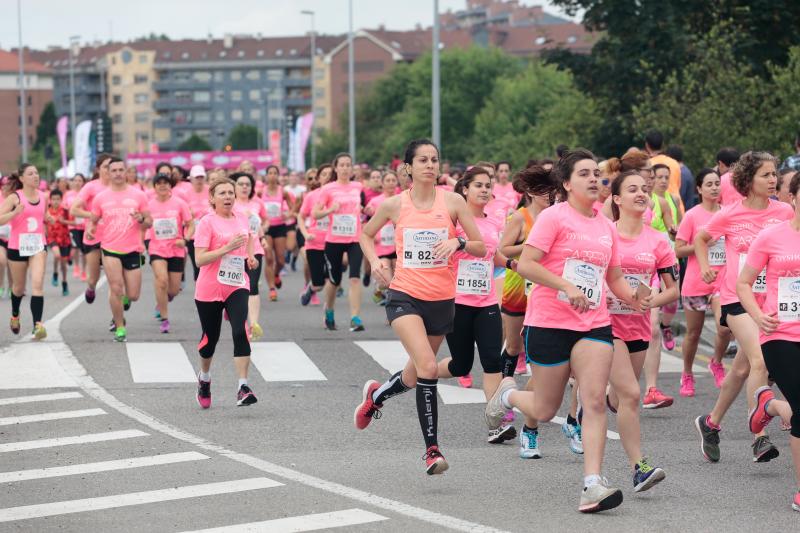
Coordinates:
<point>112,326</point>
<point>54,281</point>
<point>76,271</point>
<point>667,338</point>
<point>509,418</point>
<point>89,295</point>
<point>763,450</point>
<point>330,323</point>
<point>315,299</point>
<point>83,276</point>
<point>599,497</point>
<point>367,409</point>
<point>305,296</point>
<point>502,434</point>
<point>733,347</point>
<point>356,324</point>
<point>495,410</point>
<point>435,462</point>
<point>120,335</point>
<point>718,371</point>
<point>796,502</point>
<point>687,385</point>
<point>164,328</point>
<point>278,281</point>
<point>126,303</point>
<point>759,418</point>
<point>157,314</point>
<point>529,444</point>
<point>39,333</point>
<point>465,381</point>
<point>256,331</point>
<point>65,291</point>
<point>339,292</point>
<point>655,399</point>
<point>522,364</point>
<point>293,263</point>
<point>203,393</point>
<point>646,476</point>
<point>245,396</point>
<point>367,279</point>
<point>573,434</point>
<point>15,327</point>
<point>709,439</point>
<point>273,295</point>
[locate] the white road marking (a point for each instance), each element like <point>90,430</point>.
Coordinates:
<point>67,441</point>
<point>159,362</point>
<point>26,512</point>
<point>389,354</point>
<point>40,398</point>
<point>454,394</point>
<point>43,417</point>
<point>31,366</point>
<point>297,524</point>
<point>284,361</point>
<point>673,364</point>
<point>102,466</point>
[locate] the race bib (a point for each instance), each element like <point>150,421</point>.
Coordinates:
<point>716,253</point>
<point>273,209</point>
<point>474,276</point>
<point>760,284</point>
<point>78,221</point>
<point>418,247</point>
<point>5,231</point>
<point>789,299</point>
<point>231,270</point>
<point>255,224</point>
<point>165,228</point>
<point>344,225</point>
<point>387,235</point>
<point>30,244</point>
<point>587,277</point>
<point>617,306</point>
<point>323,223</point>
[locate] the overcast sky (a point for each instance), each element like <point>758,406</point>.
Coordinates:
<point>52,22</point>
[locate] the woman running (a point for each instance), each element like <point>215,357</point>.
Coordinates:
<point>5,233</point>
<point>420,306</point>
<point>645,254</point>
<point>76,228</point>
<point>224,247</point>
<point>754,177</point>
<point>698,296</point>
<point>340,201</point>
<point>384,240</point>
<point>310,181</point>
<point>279,209</point>
<point>172,227</point>
<point>314,231</point>
<point>197,198</point>
<point>25,210</point>
<point>778,319</point>
<point>569,253</point>
<point>254,211</point>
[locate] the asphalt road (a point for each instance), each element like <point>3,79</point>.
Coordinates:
<point>91,440</point>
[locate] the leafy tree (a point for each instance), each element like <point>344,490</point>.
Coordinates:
<point>195,143</point>
<point>46,129</point>
<point>244,137</point>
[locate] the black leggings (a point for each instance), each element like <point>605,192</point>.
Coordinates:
<point>211,322</point>
<point>255,275</point>
<point>316,266</point>
<point>782,359</point>
<point>190,250</point>
<point>476,325</point>
<point>334,257</point>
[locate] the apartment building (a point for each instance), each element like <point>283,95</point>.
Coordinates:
<point>130,75</point>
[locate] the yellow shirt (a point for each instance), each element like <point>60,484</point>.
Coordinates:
<point>674,174</point>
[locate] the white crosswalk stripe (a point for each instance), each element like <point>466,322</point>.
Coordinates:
<point>31,366</point>
<point>68,441</point>
<point>40,398</point>
<point>159,362</point>
<point>296,524</point>
<point>44,417</point>
<point>284,361</point>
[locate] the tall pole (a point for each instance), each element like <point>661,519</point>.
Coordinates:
<point>313,61</point>
<point>23,116</point>
<point>73,41</point>
<point>436,126</point>
<point>351,90</point>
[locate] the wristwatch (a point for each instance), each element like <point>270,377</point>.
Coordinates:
<point>509,262</point>
<point>462,243</point>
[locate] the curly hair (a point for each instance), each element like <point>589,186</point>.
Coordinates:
<point>746,167</point>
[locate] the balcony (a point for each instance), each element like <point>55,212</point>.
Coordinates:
<point>168,104</point>
<point>297,82</point>
<point>163,123</point>
<point>297,102</point>
<point>177,85</point>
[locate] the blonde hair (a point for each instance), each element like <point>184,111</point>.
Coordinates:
<point>215,183</point>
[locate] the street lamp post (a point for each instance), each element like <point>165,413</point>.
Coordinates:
<point>73,42</point>
<point>436,111</point>
<point>313,57</point>
<point>351,92</point>
<point>22,115</point>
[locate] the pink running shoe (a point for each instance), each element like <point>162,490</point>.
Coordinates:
<point>718,371</point>
<point>667,338</point>
<point>465,381</point>
<point>522,364</point>
<point>508,418</point>
<point>315,299</point>
<point>759,418</point>
<point>687,385</point>
<point>655,399</point>
<point>367,409</point>
<point>203,393</point>
<point>796,501</point>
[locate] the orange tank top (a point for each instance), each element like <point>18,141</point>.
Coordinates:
<point>417,273</point>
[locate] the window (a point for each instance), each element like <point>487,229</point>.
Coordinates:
<point>116,80</point>
<point>253,75</point>
<point>142,58</point>
<point>143,136</point>
<point>240,53</point>
<point>219,75</point>
<point>319,112</point>
<point>572,39</point>
<point>140,118</point>
<point>236,114</point>
<point>166,55</point>
<point>260,53</point>
<point>183,96</point>
<point>117,138</point>
<point>540,41</point>
<point>255,114</point>
<point>185,55</point>
<point>223,53</point>
<point>219,95</point>
<point>279,52</point>
<point>236,75</point>
<point>255,95</point>
<point>30,100</point>
<point>319,74</point>
<point>181,117</point>
<point>141,98</point>
<point>182,75</point>
<point>293,52</point>
<point>274,74</point>
<point>117,99</point>
<point>202,96</point>
<point>236,96</point>
<point>117,118</point>
<point>219,116</point>
<point>202,76</point>
<point>202,116</point>
<point>181,135</point>
<point>319,93</point>
<point>139,78</point>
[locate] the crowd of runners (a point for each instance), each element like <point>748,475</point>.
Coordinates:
<point>571,270</point>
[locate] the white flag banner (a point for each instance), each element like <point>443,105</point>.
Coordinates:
<point>81,149</point>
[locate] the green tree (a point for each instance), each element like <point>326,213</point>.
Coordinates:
<point>46,129</point>
<point>244,137</point>
<point>195,143</point>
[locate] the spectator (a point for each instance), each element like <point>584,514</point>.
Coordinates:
<point>688,190</point>
<point>654,146</point>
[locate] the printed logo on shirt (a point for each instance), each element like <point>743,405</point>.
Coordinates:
<point>32,223</point>
<point>645,258</point>
<point>772,222</point>
<point>740,226</point>
<point>426,237</point>
<point>605,240</point>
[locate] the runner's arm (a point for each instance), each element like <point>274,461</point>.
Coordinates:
<point>10,208</point>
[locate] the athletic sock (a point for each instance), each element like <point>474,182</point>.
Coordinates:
<point>591,479</point>
<point>205,376</point>
<point>509,364</point>
<point>15,303</point>
<point>37,308</point>
<point>63,285</point>
<point>393,386</point>
<point>527,429</point>
<point>427,410</point>
<point>504,398</point>
<point>571,421</point>
<point>242,381</point>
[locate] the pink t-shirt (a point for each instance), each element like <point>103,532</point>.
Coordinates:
<point>507,193</point>
<point>28,225</point>
<point>168,220</point>
<point>776,248</point>
<point>727,192</point>
<point>121,232</point>
<point>87,195</point>
<point>316,227</point>
<point>384,239</point>
<point>275,205</point>
<point>344,223</point>
<point>740,226</point>
<point>182,189</point>
<point>69,199</point>
<point>578,248</point>
<point>214,232</point>
<point>693,221</point>
<point>497,209</point>
<point>369,194</point>
<point>198,202</point>
<point>640,259</point>
<point>255,213</point>
<point>475,275</point>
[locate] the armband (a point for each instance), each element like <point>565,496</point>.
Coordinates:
<point>671,270</point>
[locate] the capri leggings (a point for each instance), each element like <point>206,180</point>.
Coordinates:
<point>255,275</point>
<point>211,322</point>
<point>475,325</point>
<point>782,359</point>
<point>334,257</point>
<point>190,253</point>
